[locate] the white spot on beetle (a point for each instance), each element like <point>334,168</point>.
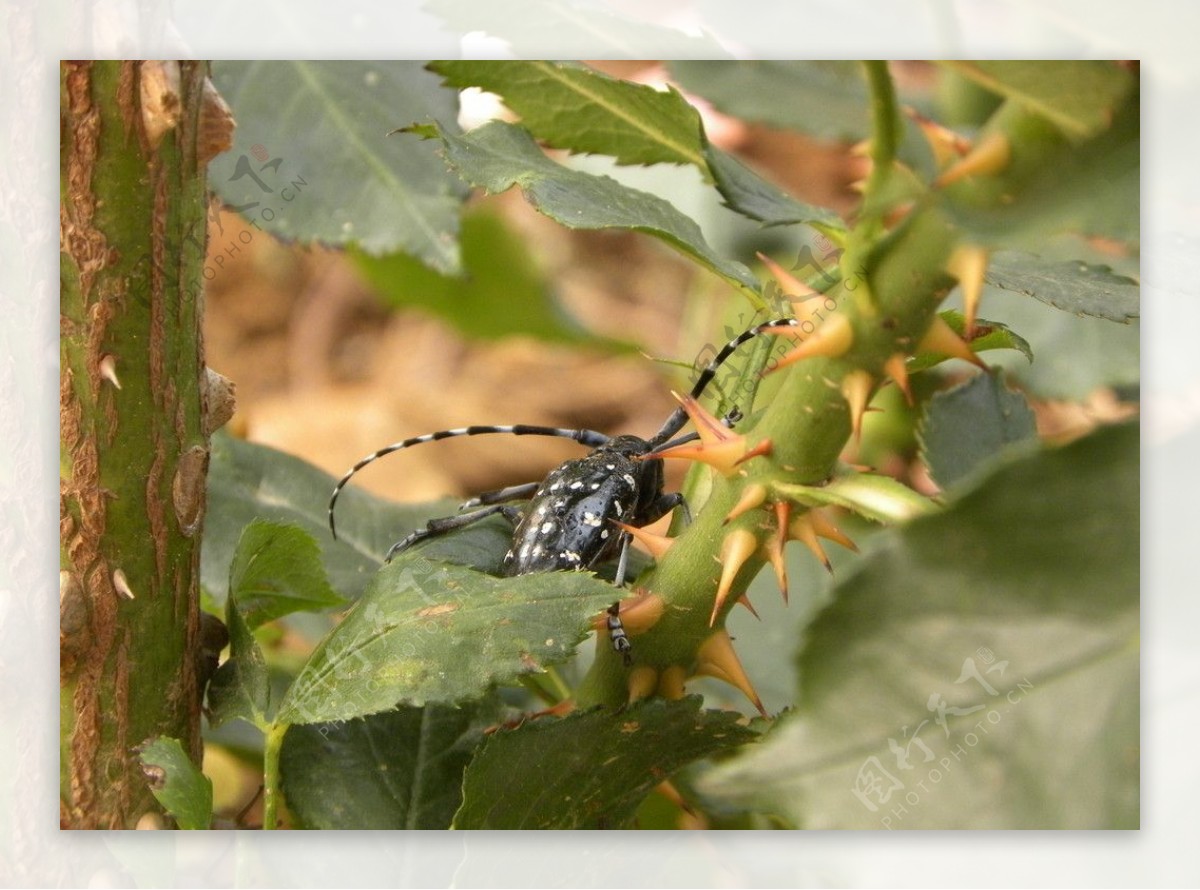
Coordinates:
<point>575,486</point>
<point>556,486</point>
<point>570,556</point>
<point>546,528</point>
<point>629,480</point>
<point>604,535</point>
<point>595,485</point>
<point>617,506</point>
<point>610,467</point>
<point>591,519</point>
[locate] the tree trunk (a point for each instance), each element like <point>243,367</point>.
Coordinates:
<point>136,408</point>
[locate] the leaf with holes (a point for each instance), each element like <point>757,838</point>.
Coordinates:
<point>433,632</point>
<point>177,783</point>
<point>589,770</point>
<point>398,769</point>
<point>979,666</point>
<point>498,156</point>
<point>312,159</point>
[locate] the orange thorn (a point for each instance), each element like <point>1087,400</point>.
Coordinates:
<point>945,144</point>
<point>716,658</point>
<point>657,544</point>
<point>670,682</point>
<point>861,149</point>
<point>719,447</point>
<point>737,547</point>
<point>856,387</point>
<point>831,340</point>
<point>744,600</point>
<point>773,546</point>
<point>991,154</point>
<point>641,682</point>
<point>829,531</point>
<point>752,496</point>
<point>641,612</point>
<point>762,449</point>
<point>941,338</point>
<point>802,530</point>
<point>968,264</point>
<point>792,286</point>
<point>897,368</point>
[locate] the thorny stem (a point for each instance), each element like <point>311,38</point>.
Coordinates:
<point>895,280</point>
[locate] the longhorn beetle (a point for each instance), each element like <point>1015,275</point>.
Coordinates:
<point>569,521</point>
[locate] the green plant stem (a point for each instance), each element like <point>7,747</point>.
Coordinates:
<point>133,445</point>
<point>891,284</point>
<point>272,746</point>
<point>885,123</point>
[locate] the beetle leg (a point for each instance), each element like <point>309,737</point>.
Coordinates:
<point>440,526</point>
<point>511,493</point>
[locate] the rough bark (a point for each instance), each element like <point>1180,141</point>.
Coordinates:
<point>135,140</point>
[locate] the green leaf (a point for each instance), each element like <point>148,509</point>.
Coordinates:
<point>592,769</point>
<point>1012,618</point>
<point>577,108</point>
<point>1078,287</point>
<point>348,181</point>
<point>823,99</point>
<point>826,99</point>
<point>498,156</point>
<point>1080,97</point>
<point>241,687</point>
<point>969,425</point>
<point>248,482</point>
<point>988,335</point>
<point>398,770</point>
<point>1092,189</point>
<point>1075,355</point>
<point>177,783</point>
<point>878,498</point>
<point>747,193</point>
<point>501,292</point>
<point>432,632</point>
<point>277,570</point>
